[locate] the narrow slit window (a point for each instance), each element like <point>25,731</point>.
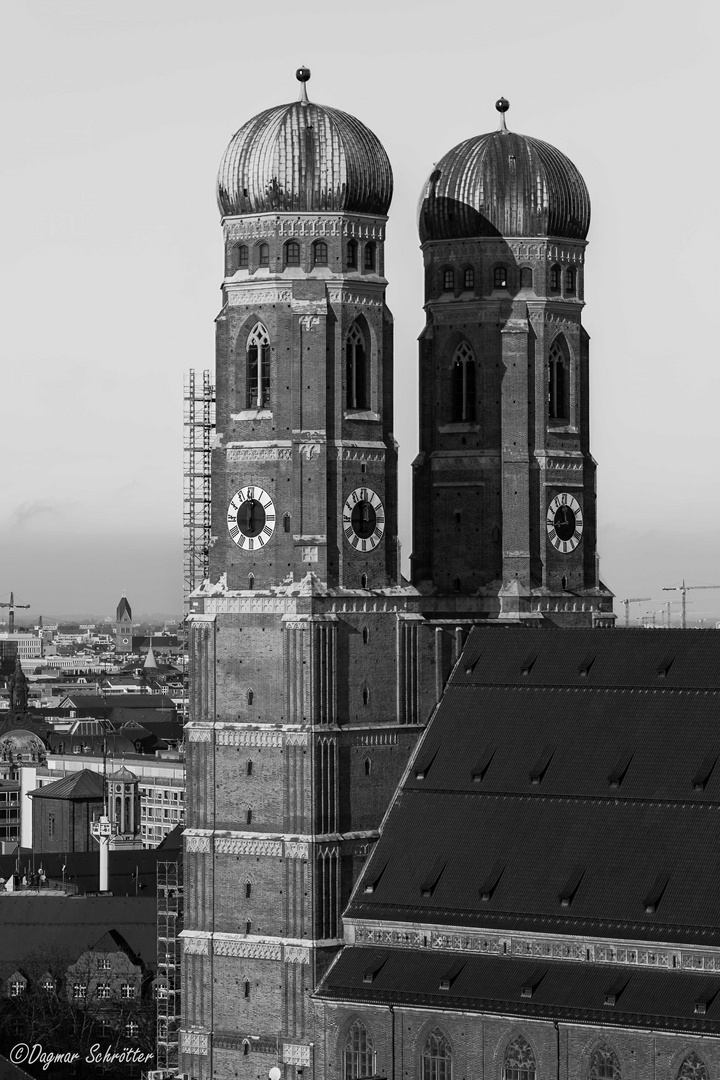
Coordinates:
<point>463,385</point>
<point>356,369</point>
<point>558,382</point>
<point>369,257</point>
<point>258,368</point>
<point>555,279</point>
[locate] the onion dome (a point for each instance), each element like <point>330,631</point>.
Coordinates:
<point>504,184</point>
<point>304,156</point>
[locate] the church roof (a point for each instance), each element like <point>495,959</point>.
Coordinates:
<point>544,799</point>
<point>504,184</point>
<point>77,785</point>
<point>517,987</point>
<point>303,156</point>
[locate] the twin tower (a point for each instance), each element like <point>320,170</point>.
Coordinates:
<point>314,664</point>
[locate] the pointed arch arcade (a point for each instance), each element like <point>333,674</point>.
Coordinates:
<point>693,1068</point>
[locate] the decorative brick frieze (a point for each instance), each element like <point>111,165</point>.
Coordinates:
<point>198,734</point>
<point>374,738</point>
<point>200,845</point>
<point>245,296</point>
<point>582,950</point>
<point>198,946</point>
<point>296,1054</point>
<point>259,453</point>
<point>252,950</point>
<point>296,849</point>
<point>296,954</point>
<point>240,737</point>
<point>238,845</point>
<point>312,225</point>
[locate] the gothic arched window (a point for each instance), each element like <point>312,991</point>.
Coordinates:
<point>351,254</point>
<point>500,277</point>
<point>448,280</point>
<point>357,396</point>
<point>519,1063</point>
<point>263,255</point>
<point>436,1062</point>
<point>359,1055</point>
<point>558,382</point>
<point>554,279</point>
<point>292,253</point>
<point>463,385</point>
<point>320,253</point>
<point>570,281</point>
<point>693,1068</point>
<point>257,384</point>
<point>604,1064</point>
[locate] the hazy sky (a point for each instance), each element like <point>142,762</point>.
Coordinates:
<point>114,119</point>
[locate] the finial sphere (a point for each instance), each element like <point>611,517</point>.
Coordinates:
<point>502,104</point>
<point>302,74</point>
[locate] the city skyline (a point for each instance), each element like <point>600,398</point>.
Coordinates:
<point>116,120</point>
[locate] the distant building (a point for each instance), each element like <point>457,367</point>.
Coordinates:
<point>123,627</point>
<point>63,811</point>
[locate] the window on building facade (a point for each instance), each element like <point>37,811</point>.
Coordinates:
<point>436,1062</point>
<point>17,988</point>
<point>248,816</point>
<point>292,253</point>
<point>469,278</point>
<point>558,382</point>
<point>242,257</point>
<point>519,1063</point>
<point>248,888</point>
<point>286,523</point>
<point>127,991</point>
<point>132,1029</point>
<point>463,385</point>
<point>79,990</point>
<point>351,254</point>
<point>51,826</point>
<point>249,768</point>
<point>693,1068</point>
<point>604,1064</point>
<point>103,990</point>
<point>356,369</point>
<point>555,279</point>
<point>570,281</point>
<point>246,988</point>
<point>359,1054</point>
<point>320,253</point>
<point>500,277</point>
<point>48,985</point>
<point>448,280</point>
<point>526,277</point>
<point>258,368</point>
<point>264,255</point>
<point>369,257</point>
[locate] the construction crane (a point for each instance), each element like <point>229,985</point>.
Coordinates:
<point>634,600</point>
<point>683,590</point>
<point>12,605</point>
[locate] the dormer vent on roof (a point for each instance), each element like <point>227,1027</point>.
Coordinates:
<point>492,881</point>
<point>482,765</point>
<point>703,774</point>
<point>664,666</point>
<point>585,665</point>
<point>431,879</point>
<point>621,766</point>
<point>422,768</point>
<point>532,981</point>
<point>304,157</point>
<point>374,968</point>
<point>371,885</point>
<point>540,767</point>
<point>652,899</point>
<point>504,184</point>
<point>615,989</point>
<point>448,977</point>
<point>528,663</point>
<point>704,999</point>
<point>571,886</point>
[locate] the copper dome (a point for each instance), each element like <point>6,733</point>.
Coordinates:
<point>504,184</point>
<point>304,156</point>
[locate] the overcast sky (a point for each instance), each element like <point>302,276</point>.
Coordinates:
<point>114,119</point>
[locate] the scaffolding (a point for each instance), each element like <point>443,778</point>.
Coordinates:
<point>199,426</point>
<point>169,925</point>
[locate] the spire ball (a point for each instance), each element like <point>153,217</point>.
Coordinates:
<point>302,74</point>
<point>502,104</point>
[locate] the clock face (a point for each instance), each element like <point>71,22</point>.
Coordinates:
<point>363,519</point>
<point>251,518</point>
<point>564,523</point>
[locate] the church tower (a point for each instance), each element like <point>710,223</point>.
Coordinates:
<point>123,626</point>
<point>504,484</point>
<point>310,675</point>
